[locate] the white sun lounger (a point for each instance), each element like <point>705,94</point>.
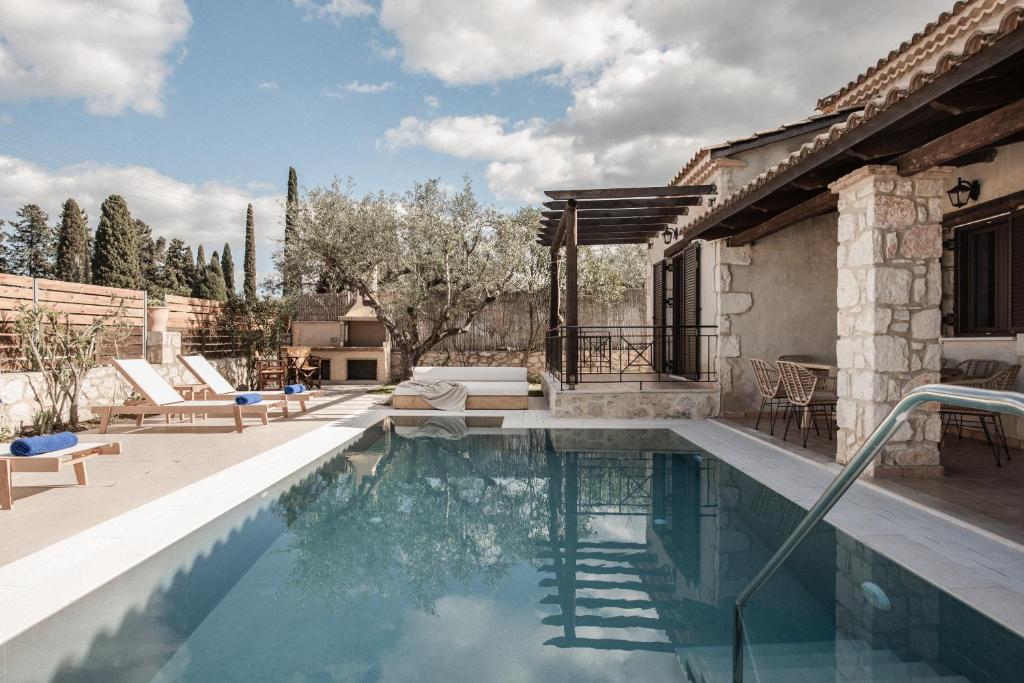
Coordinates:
<point>160,398</point>
<point>47,462</point>
<point>221,388</point>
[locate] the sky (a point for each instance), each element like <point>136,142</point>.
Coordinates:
<point>191,110</point>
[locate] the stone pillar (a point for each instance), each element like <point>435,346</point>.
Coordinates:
<point>163,347</point>
<point>889,318</point>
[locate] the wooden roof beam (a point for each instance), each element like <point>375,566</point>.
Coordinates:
<point>556,241</point>
<point>666,202</point>
<point>977,134</point>
<point>815,206</point>
<point>588,222</point>
<point>632,192</point>
<point>621,213</point>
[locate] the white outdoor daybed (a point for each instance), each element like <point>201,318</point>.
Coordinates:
<point>488,388</point>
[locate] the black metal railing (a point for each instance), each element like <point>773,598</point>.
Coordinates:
<point>668,353</point>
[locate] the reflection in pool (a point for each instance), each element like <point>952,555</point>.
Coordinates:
<point>445,551</point>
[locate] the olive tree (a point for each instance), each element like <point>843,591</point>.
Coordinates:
<point>427,261</point>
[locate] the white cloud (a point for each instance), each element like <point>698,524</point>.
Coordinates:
<point>268,85</point>
<point>651,82</point>
<point>206,213</point>
<point>431,101</point>
<point>368,88</point>
<point>335,11</point>
<point>116,55</point>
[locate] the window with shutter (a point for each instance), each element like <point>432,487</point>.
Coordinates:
<point>989,291</point>
<point>658,287</point>
<point>685,331</point>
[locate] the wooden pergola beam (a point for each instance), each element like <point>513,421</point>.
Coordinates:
<point>649,203</point>
<point>977,134</point>
<point>815,206</point>
<point>556,242</point>
<point>588,222</point>
<point>632,192</point>
<point>620,213</point>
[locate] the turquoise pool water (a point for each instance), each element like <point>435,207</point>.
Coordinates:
<point>447,552</point>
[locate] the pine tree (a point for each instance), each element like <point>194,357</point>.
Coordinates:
<point>72,244</point>
<point>148,266</point>
<point>249,286</point>
<point>5,265</point>
<point>30,246</point>
<point>115,257</point>
<point>290,286</point>
<point>228,268</point>
<point>177,271</point>
<point>200,285</point>
<point>215,286</point>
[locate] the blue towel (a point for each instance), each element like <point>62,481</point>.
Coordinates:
<point>47,443</point>
<point>247,399</point>
<point>295,389</point>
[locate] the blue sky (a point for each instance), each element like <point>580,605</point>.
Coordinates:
<point>191,110</point>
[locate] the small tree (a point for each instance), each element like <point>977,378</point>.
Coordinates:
<point>31,244</point>
<point>115,260</point>
<point>215,288</point>
<point>227,266</point>
<point>64,353</point>
<point>254,327</point>
<point>249,286</point>
<point>72,244</point>
<point>426,262</point>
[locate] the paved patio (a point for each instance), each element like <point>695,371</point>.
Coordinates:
<point>974,489</point>
<point>155,460</point>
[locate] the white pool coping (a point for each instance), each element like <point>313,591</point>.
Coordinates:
<point>980,568</point>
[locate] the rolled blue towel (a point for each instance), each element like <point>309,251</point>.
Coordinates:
<point>247,399</point>
<point>295,389</point>
<point>46,443</point>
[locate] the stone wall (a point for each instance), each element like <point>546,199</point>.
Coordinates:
<point>889,293</point>
<point>481,359</point>
<point>22,394</point>
<point>694,400</point>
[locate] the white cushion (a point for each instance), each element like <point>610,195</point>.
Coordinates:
<point>455,374</point>
<point>479,389</point>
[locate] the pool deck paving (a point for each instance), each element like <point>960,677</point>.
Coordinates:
<point>169,482</point>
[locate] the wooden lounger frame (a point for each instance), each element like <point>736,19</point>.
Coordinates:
<point>201,386</point>
<point>148,407</point>
<point>479,402</point>
<point>49,462</point>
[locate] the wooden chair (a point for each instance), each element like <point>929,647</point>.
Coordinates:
<point>773,394</point>
<point>303,367</point>
<point>1004,380</point>
<point>160,398</point>
<point>48,462</point>
<point>219,387</point>
<point>271,373</point>
<point>810,395</point>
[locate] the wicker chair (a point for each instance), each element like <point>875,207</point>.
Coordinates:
<point>810,396</point>
<point>796,358</point>
<point>1004,380</point>
<point>773,395</point>
<point>978,368</point>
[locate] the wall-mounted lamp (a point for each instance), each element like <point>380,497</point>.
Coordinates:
<point>650,244</point>
<point>670,234</point>
<point>711,201</point>
<point>668,301</point>
<point>963,192</point>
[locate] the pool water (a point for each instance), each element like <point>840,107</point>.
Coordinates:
<point>450,552</point>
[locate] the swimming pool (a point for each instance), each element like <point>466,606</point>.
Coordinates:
<point>453,551</point>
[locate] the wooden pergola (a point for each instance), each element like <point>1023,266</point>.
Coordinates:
<point>622,215</point>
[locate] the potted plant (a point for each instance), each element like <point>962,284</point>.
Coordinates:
<point>157,312</point>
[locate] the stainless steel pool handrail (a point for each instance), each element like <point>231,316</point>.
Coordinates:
<point>967,397</point>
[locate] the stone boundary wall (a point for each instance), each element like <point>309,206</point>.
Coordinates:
<point>21,392</point>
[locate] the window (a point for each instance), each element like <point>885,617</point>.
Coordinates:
<point>990,276</point>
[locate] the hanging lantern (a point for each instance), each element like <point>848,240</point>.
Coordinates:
<point>963,192</point>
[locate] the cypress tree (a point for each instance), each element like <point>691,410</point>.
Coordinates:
<point>148,266</point>
<point>291,211</point>
<point>215,286</point>
<point>199,282</point>
<point>228,268</point>
<point>72,244</point>
<point>30,246</point>
<point>115,258</point>
<point>249,286</point>
<point>177,272</point>
<point>5,265</point>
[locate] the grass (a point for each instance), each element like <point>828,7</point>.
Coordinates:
<point>386,389</point>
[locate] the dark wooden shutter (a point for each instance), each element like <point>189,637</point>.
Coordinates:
<point>658,321</point>
<point>1016,219</point>
<point>687,312</point>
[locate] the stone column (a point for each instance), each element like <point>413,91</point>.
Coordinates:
<point>163,347</point>
<point>889,318</point>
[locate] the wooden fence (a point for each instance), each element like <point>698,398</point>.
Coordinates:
<point>83,304</point>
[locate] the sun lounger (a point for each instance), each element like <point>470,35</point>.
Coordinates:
<point>48,462</point>
<point>221,388</point>
<point>160,398</point>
